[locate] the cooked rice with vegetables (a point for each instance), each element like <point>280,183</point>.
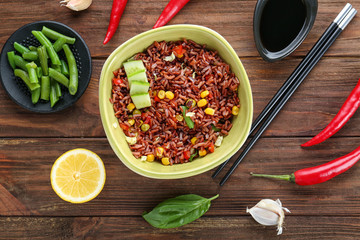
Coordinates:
<point>193,96</point>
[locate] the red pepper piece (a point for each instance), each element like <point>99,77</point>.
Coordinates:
<point>211,148</point>
<point>117,81</point>
<point>345,113</point>
<point>143,115</point>
<point>148,120</point>
<point>179,51</point>
<point>117,10</point>
<point>321,173</point>
<point>157,99</point>
<point>171,9</point>
<point>187,154</point>
<point>124,126</point>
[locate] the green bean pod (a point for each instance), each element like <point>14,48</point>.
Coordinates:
<point>73,71</point>
<point>57,85</point>
<point>45,88</point>
<point>56,67</point>
<point>49,47</point>
<point>20,48</point>
<point>30,55</point>
<point>31,68</point>
<point>58,89</point>
<point>59,77</point>
<point>64,68</point>
<point>59,43</point>
<point>32,48</point>
<point>56,35</point>
<point>20,62</point>
<point>53,96</point>
<point>39,72</point>
<point>43,59</point>
<point>10,56</point>
<point>25,77</point>
<point>35,95</point>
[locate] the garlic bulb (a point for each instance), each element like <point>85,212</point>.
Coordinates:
<point>269,213</point>
<point>76,5</point>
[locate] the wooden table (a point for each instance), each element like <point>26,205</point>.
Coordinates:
<point>30,142</point>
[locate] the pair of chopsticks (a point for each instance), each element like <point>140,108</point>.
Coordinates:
<point>292,83</point>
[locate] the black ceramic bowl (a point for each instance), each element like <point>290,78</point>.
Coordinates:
<point>280,26</point>
<point>16,88</point>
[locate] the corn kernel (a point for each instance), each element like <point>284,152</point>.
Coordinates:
<point>136,113</point>
<point>202,102</point>
<point>165,161</point>
<point>209,111</point>
<point>202,152</point>
<point>159,151</point>
<point>161,94</point>
<point>179,117</point>
<point>235,110</point>
<point>131,121</point>
<point>169,95</point>
<point>204,94</point>
<point>144,127</point>
<point>150,158</point>
<point>193,140</point>
<point>131,106</point>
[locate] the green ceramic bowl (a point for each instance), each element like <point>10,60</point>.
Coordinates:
<point>241,123</point>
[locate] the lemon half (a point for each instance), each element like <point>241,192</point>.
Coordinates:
<point>78,175</point>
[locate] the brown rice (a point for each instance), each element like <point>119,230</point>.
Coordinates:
<point>195,70</point>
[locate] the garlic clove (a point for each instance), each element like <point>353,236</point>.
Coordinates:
<point>263,216</point>
<point>269,213</point>
<point>76,5</point>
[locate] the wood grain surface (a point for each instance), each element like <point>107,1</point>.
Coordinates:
<point>30,142</point>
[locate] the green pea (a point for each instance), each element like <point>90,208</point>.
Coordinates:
<point>145,127</point>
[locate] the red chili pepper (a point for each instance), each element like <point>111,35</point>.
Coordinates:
<point>117,10</point>
<point>345,113</point>
<point>321,173</point>
<point>117,81</point>
<point>171,9</point>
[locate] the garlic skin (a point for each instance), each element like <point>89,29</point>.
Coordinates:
<point>76,5</point>
<point>269,213</point>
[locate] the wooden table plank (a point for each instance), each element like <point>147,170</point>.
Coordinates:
<point>26,175</point>
<point>242,227</point>
<point>30,143</point>
<point>310,109</point>
<point>231,18</point>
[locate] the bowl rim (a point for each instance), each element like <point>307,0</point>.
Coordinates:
<point>107,124</point>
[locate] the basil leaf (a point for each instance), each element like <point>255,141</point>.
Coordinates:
<point>192,157</point>
<point>178,211</point>
<point>187,119</point>
<point>215,128</point>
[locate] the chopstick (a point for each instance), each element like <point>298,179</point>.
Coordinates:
<point>324,37</point>
<point>340,26</point>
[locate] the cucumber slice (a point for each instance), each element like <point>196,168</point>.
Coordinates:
<point>138,87</point>
<point>141,100</point>
<point>134,67</point>
<point>141,77</point>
